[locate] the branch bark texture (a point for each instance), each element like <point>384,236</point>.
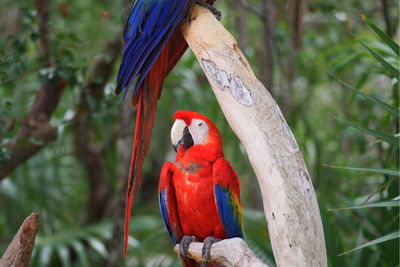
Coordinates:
<point>20,249</point>
<point>289,200</point>
<point>228,252</point>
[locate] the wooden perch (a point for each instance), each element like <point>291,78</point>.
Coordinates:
<point>228,252</point>
<point>289,200</point>
<point>20,249</point>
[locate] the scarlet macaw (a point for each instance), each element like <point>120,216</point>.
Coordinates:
<point>199,194</point>
<point>152,47</point>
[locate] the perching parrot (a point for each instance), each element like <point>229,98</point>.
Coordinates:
<point>199,194</point>
<point>152,47</point>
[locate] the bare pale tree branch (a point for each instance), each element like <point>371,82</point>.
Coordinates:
<point>228,252</point>
<point>290,204</point>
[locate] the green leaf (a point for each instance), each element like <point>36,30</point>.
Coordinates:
<point>373,261</point>
<point>81,252</point>
<point>392,110</point>
<point>63,253</point>
<point>45,255</point>
<point>357,255</point>
<point>98,246</point>
<point>392,172</point>
<point>393,140</point>
<point>383,204</point>
<point>395,47</point>
<point>382,239</point>
<point>395,72</point>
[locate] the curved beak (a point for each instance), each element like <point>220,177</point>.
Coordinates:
<point>180,135</point>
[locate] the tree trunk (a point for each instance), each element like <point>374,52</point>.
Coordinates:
<point>116,208</point>
<point>295,20</point>
<point>241,25</point>
<point>290,204</point>
<point>266,50</point>
<point>92,154</point>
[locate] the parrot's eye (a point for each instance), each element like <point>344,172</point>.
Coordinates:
<point>199,131</point>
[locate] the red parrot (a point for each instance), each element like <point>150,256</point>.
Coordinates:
<point>199,194</point>
<point>152,47</point>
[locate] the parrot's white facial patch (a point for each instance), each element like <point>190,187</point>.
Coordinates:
<point>199,131</point>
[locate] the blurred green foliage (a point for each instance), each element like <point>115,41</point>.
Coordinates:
<point>54,182</point>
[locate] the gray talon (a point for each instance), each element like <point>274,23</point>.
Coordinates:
<point>184,245</point>
<point>215,11</point>
<point>205,252</point>
<point>218,15</point>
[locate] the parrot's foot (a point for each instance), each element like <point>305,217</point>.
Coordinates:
<point>205,253</point>
<point>215,11</point>
<point>184,245</point>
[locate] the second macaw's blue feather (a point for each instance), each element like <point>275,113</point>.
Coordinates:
<point>149,27</point>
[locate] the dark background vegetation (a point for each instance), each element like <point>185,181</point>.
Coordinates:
<point>65,138</point>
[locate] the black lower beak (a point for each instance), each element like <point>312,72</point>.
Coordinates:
<point>186,140</point>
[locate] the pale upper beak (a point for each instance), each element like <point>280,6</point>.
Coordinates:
<point>180,135</point>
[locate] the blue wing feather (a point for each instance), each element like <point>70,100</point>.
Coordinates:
<point>164,213</point>
<point>167,202</point>
<point>227,197</point>
<point>228,209</point>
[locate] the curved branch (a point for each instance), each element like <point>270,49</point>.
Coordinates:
<point>228,252</point>
<point>290,204</point>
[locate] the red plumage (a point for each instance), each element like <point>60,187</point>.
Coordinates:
<point>146,100</point>
<point>187,187</point>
